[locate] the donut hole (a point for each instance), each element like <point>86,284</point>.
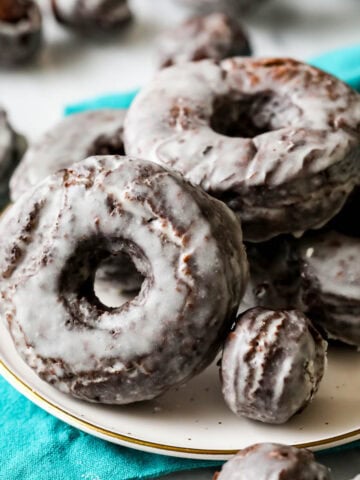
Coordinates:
<point>108,145</point>
<point>100,276</point>
<point>251,115</point>
<point>117,280</point>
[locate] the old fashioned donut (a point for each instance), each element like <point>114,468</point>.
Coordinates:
<point>92,17</point>
<point>73,139</point>
<point>215,36</point>
<point>269,461</point>
<point>272,364</point>
<point>331,284</point>
<point>187,245</point>
<point>276,139</point>
<point>12,146</point>
<point>20,31</point>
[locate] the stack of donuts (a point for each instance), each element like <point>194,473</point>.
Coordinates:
<point>223,203</point>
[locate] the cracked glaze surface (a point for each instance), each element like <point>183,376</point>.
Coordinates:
<point>187,245</point>
<point>287,155</point>
<point>272,364</point>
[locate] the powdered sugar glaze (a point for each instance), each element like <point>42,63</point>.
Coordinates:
<point>292,123</point>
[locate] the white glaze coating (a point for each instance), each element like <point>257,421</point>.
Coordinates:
<point>313,120</point>
<point>70,141</point>
<point>272,365</point>
<point>331,283</point>
<point>194,278</point>
<point>273,462</point>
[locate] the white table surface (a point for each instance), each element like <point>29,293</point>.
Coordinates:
<point>71,69</point>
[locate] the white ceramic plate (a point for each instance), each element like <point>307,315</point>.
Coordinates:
<point>193,421</point>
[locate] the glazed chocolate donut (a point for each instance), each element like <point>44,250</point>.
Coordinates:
<point>75,138</point>
<point>274,275</point>
<point>272,364</point>
<point>20,31</point>
<point>187,245</point>
<point>12,146</point>
<point>276,139</point>
<point>95,17</point>
<point>215,36</point>
<point>331,284</point>
<point>269,461</point>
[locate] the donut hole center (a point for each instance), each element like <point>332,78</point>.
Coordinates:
<point>101,275</point>
<point>108,145</point>
<point>117,280</point>
<point>250,115</point>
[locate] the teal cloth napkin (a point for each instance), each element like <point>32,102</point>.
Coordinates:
<point>36,446</point>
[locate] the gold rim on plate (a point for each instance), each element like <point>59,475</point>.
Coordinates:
<point>75,420</point>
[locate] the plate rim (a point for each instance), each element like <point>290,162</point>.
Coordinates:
<point>144,445</point>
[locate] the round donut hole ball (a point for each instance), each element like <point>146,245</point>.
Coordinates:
<point>215,36</point>
<point>20,31</point>
<point>186,246</point>
<point>95,18</point>
<point>272,364</point>
<point>245,131</point>
<point>267,461</point>
<point>330,284</point>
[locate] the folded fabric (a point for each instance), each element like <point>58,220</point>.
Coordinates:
<point>343,63</point>
<point>36,446</point>
<point>115,100</point>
